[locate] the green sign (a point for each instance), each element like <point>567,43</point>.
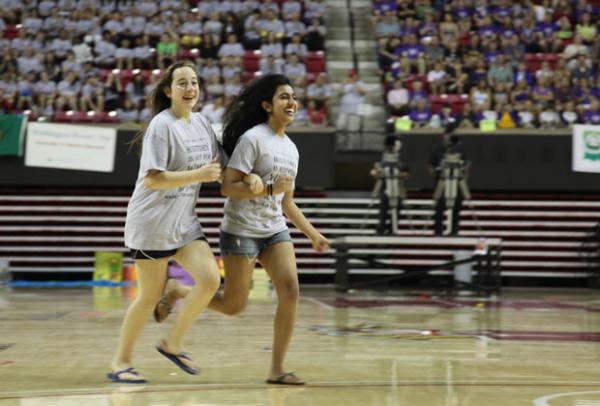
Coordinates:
<point>591,141</point>
<point>487,125</point>
<point>12,128</point>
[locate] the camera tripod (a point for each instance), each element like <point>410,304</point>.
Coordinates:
<point>452,177</point>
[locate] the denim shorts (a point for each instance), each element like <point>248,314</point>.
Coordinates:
<point>149,254</point>
<point>232,244</point>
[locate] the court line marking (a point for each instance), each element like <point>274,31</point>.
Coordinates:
<point>317,302</point>
<point>543,401</point>
<point>195,387</point>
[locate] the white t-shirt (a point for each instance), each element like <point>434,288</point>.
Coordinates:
<point>260,151</point>
<point>166,219</point>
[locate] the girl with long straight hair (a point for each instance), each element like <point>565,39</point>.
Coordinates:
<point>179,153</point>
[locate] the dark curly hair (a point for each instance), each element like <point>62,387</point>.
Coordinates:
<point>245,111</point>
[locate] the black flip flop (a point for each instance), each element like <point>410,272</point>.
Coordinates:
<point>176,359</point>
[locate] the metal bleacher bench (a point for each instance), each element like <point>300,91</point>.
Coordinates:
<point>353,253</point>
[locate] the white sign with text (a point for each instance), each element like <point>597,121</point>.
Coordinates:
<point>65,146</point>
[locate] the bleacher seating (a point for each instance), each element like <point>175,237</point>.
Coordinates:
<point>50,233</point>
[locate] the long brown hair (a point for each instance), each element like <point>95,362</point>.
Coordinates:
<point>157,98</point>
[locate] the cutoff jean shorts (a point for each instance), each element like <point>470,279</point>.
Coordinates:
<point>146,254</point>
<point>252,247</point>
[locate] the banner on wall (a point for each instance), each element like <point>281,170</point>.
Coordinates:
<point>12,129</point>
<point>586,148</point>
<point>67,146</point>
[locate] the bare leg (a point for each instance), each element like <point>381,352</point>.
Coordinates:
<point>151,278</point>
<point>197,259</point>
<point>238,279</point>
<point>279,261</point>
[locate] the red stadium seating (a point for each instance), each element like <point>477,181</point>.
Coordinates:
<point>315,62</point>
<point>251,61</point>
<point>11,31</point>
<point>456,102</point>
<point>190,54</point>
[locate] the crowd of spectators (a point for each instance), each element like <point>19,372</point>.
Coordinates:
<point>100,57</point>
<point>520,64</point>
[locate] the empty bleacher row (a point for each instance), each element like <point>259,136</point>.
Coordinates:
<point>60,234</point>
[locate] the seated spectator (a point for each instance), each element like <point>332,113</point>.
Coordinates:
<point>437,78</point>
<point>92,95</point>
<point>113,91</point>
<point>434,52</point>
<point>296,72</point>
<point>585,29</point>
<point>28,62</point>
<point>210,70</point>
<point>458,78</point>
<point>449,32</point>
<point>142,53</point>
<point>320,92</point>
<point>214,88</point>
<point>124,55</point>
<point>591,115</point>
<point>209,48</point>
<point>232,49</point>
<point>232,87</point>
<point>583,68</point>
<point>25,88</point>
<point>500,95</point>
<point>398,99</point>
<point>520,93</point>
<point>68,92</point>
<point>526,115</point>
<point>272,46</point>
<point>316,116</point>
<point>542,93</point>
<point>271,24</point>
<point>315,35</point>
<point>500,72</point>
<point>573,50</point>
<point>270,65</point>
<point>128,112</point>
<point>447,117</point>
<point>231,67</point>
<point>388,25</point>
<point>568,115</point>
<point>136,90</point>
<point>166,51</point>
<point>548,117</point>
<point>190,31</point>
<point>521,73</point>
<point>214,110</point>
<point>214,27</point>
<point>412,55</point>
<point>481,96</point>
<point>421,115</point>
<point>295,46</point>
<point>295,26</point>
<point>44,90</point>
<point>417,93</point>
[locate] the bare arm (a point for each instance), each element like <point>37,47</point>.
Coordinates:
<point>295,215</point>
<point>174,179</point>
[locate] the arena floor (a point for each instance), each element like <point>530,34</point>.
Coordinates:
<point>528,347</point>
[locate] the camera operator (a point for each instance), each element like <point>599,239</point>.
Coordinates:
<point>449,164</point>
<point>390,174</point>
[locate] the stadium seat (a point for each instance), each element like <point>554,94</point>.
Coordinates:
<point>248,76</point>
<point>11,31</point>
<point>251,61</point>
<point>190,54</point>
<point>315,62</point>
<point>69,116</point>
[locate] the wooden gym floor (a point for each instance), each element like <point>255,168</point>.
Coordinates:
<point>528,347</point>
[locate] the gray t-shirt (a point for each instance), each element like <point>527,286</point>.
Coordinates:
<point>166,219</point>
<point>262,152</point>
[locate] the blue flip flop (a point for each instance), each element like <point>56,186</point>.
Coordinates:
<point>176,359</point>
<point>116,376</point>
